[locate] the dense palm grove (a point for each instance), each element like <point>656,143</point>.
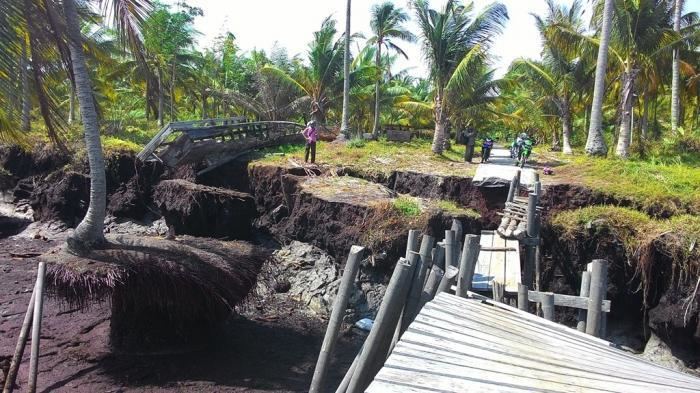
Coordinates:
<point>626,84</point>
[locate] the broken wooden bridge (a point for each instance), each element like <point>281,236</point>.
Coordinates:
<point>215,142</point>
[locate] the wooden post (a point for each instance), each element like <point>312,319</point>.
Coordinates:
<point>584,292</point>
<point>548,306</point>
<point>415,261</point>
<point>448,279</point>
<point>336,320</point>
<point>431,285</point>
<point>470,254</point>
<point>343,386</point>
<point>379,339</point>
<point>439,257</point>
<point>412,244</point>
<point>497,291</point>
<point>450,249</point>
<point>538,254</point>
<point>419,276</point>
<point>532,234</point>
<point>514,186</point>
<point>523,302</point>
<point>597,294</point>
<point>457,228</point>
<point>603,315</point>
<point>21,344</point>
<point>36,328</point>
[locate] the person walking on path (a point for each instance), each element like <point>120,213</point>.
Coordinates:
<point>470,139</point>
<point>311,135</point>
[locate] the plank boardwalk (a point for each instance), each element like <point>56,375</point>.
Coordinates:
<point>473,345</point>
<point>501,266</point>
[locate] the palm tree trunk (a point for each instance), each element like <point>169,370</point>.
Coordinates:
<point>26,95</point>
<point>626,108</point>
<point>71,104</point>
<point>375,127</point>
<point>644,123</point>
<point>566,127</point>
<point>89,232</point>
<point>439,135</point>
<point>147,96</point>
<point>204,104</point>
<point>595,144</point>
<point>675,71</point>
<point>160,98</point>
<point>344,127</point>
<point>172,93</point>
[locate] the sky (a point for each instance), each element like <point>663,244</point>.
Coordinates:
<point>260,24</point>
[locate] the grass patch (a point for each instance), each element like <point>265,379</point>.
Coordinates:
<point>112,144</point>
<point>452,208</point>
<point>379,157</point>
<point>407,206</point>
<point>672,188</point>
<point>356,143</point>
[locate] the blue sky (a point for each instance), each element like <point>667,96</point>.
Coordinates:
<point>262,23</point>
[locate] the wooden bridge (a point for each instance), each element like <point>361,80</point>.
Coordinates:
<point>216,141</point>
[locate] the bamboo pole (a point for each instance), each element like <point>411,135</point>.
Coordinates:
<point>36,328</point>
<point>336,320</point>
<point>548,306</point>
<point>379,339</point>
<point>523,302</point>
<point>584,292</point>
<point>470,255</point>
<point>21,344</point>
<point>449,279</point>
<point>597,294</point>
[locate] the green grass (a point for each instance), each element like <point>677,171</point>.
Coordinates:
<point>378,156</point>
<point>356,143</point>
<point>407,206</point>
<point>455,210</point>
<point>674,188</point>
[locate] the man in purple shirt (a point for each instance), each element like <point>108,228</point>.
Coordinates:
<point>310,134</point>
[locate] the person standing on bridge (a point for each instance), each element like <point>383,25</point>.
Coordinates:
<point>311,135</point>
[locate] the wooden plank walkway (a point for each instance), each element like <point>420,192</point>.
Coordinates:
<point>501,266</point>
<point>473,345</point>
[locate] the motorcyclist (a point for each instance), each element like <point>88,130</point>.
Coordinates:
<point>517,145</point>
<point>486,147</point>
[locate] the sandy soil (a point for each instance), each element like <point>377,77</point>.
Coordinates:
<point>271,347</point>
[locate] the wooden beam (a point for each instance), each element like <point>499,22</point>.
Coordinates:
<point>567,300</point>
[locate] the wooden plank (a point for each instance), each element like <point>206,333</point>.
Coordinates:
<point>567,300</point>
<point>540,332</point>
<point>482,277</point>
<point>513,273</point>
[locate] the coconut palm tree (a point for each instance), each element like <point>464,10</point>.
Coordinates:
<point>675,70</point>
<point>560,74</point>
<point>595,144</point>
<point>322,79</point>
<point>387,24</point>
<point>454,43</point>
<point>344,127</point>
<point>53,29</point>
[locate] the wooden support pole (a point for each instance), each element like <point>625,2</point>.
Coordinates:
<point>583,292</point>
<point>36,328</point>
<point>431,285</point>
<point>419,275</point>
<point>514,185</point>
<point>523,302</point>
<point>538,255</point>
<point>352,266</point>
<point>532,234</point>
<point>604,315</point>
<point>439,257</point>
<point>457,227</point>
<point>379,339</point>
<point>450,248</point>
<point>415,261</point>
<point>599,271</point>
<point>497,291</point>
<point>412,244</point>
<point>467,264</point>
<point>11,376</point>
<point>449,279</point>
<point>343,386</point>
<point>548,306</point>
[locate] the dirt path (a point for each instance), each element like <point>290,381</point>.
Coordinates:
<point>500,169</point>
<point>271,348</point>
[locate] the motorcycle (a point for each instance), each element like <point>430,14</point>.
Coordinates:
<point>515,149</point>
<point>486,149</point>
<point>525,151</point>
